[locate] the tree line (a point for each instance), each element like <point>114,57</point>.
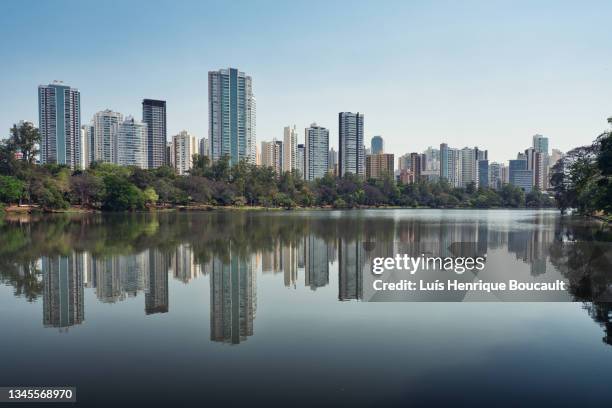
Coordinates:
<point>110,187</point>
<point>582,178</point>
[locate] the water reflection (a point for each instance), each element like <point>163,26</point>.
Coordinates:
<point>120,256</point>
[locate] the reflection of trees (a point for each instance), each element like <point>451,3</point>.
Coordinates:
<point>124,254</point>
<point>582,252</point>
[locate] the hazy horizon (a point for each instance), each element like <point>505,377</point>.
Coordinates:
<point>469,74</point>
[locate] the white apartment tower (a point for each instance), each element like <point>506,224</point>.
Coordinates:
<point>184,147</point>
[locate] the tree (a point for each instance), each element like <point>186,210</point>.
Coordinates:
<point>121,195</point>
<point>150,196</point>
<point>11,189</point>
<point>86,188</point>
<point>25,138</point>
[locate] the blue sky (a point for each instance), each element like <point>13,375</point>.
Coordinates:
<point>486,73</point>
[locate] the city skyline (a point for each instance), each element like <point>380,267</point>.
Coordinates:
<point>462,82</point>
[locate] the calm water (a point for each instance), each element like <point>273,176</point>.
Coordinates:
<point>240,308</point>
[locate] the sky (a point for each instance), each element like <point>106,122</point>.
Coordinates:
<point>471,73</point>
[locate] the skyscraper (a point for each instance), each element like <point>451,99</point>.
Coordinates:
<point>537,163</point>
<point>520,175</point>
<point>316,154</point>
<point>231,115</point>
<point>106,130</point>
<point>352,150</point>
<point>289,148</point>
<point>154,115</point>
<point>204,148</point>
<point>469,170</point>
<point>184,147</point>
<point>496,179</point>
<point>377,145</point>
<point>59,118</point>
<point>332,161</point>
<point>483,173</point>
<point>451,165</point>
<point>540,143</point>
<point>272,155</point>
<point>132,143</point>
<point>87,143</point>
<point>379,166</point>
<point>300,159</point>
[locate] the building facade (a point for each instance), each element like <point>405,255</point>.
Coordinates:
<point>352,150</point>
<point>106,131</point>
<point>59,123</point>
<point>316,152</point>
<point>377,145</point>
<point>132,143</point>
<point>289,148</point>
<point>379,166</point>
<point>184,147</point>
<point>154,115</point>
<point>231,116</point>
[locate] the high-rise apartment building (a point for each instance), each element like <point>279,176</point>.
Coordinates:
<point>431,159</point>
<point>332,162</point>
<point>483,173</point>
<point>352,150</point>
<point>132,143</point>
<point>289,148</point>
<point>106,131</point>
<point>519,174</point>
<point>204,148</point>
<point>300,158</point>
<point>316,152</point>
<point>451,165</point>
<point>496,175</point>
<point>184,147</point>
<point>87,143</point>
<point>154,115</point>
<point>59,120</point>
<point>377,145</point>
<point>379,166</point>
<point>540,143</point>
<point>272,155</point>
<point>231,115</point>
<point>416,165</point>
<point>537,163</point>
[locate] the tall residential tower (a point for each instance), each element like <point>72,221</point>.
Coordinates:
<point>231,115</point>
<point>154,115</point>
<point>352,150</point>
<point>59,116</point>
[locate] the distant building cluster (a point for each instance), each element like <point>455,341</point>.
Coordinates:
<point>112,137</point>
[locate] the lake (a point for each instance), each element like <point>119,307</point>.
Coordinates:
<point>232,308</point>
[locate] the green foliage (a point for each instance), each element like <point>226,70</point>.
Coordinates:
<point>25,139</point>
<point>121,195</point>
<point>582,179</point>
<point>11,189</point>
<point>150,196</point>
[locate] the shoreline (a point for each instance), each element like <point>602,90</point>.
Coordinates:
<point>35,209</point>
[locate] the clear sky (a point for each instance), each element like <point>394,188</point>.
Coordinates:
<point>487,73</point>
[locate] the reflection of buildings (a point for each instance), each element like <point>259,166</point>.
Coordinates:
<point>290,264</point>
<point>351,262</point>
<point>532,247</point>
<point>316,268</point>
<point>156,294</point>
<point>62,291</point>
<point>233,300</point>
<point>183,264</point>
<point>107,279</point>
